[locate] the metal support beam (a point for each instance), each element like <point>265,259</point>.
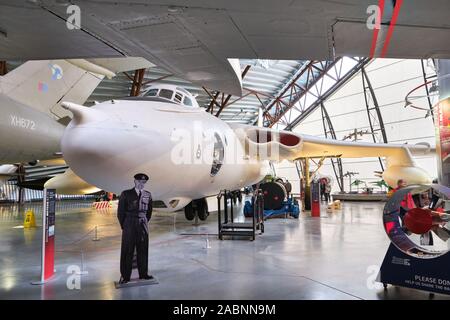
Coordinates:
<point>3,69</point>
<point>337,74</point>
<point>373,113</point>
<point>133,84</point>
<point>335,162</point>
<point>307,172</point>
<point>213,101</point>
<point>20,179</point>
<point>224,102</point>
<point>293,92</point>
<point>426,80</point>
<point>137,83</point>
<point>318,165</point>
<point>157,79</point>
<point>299,167</point>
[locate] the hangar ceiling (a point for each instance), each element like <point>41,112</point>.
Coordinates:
<point>196,39</point>
<point>266,77</point>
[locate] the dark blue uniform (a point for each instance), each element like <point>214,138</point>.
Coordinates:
<point>133,213</point>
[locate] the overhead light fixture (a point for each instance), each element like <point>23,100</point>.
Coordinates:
<point>174,9</point>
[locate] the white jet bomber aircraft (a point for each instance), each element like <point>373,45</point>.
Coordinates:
<point>189,154</point>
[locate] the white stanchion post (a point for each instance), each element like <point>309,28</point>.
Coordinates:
<point>95,235</point>
<point>44,223</point>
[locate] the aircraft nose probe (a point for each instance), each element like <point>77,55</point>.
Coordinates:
<point>82,114</point>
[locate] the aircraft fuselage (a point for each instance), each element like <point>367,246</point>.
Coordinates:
<point>188,153</point>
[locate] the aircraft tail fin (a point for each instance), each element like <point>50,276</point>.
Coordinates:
<point>44,84</point>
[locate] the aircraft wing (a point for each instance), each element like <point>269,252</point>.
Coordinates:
<point>195,39</point>
<point>396,154</point>
<point>67,182</point>
<point>7,171</point>
<point>275,145</point>
<point>70,183</point>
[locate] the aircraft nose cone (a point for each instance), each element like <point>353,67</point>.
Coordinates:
<point>107,154</point>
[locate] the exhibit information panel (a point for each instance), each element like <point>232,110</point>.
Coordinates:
<point>48,239</point>
<point>442,125</point>
<point>315,199</point>
<point>401,269</point>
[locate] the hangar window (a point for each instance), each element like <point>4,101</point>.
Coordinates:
<point>178,97</point>
<point>164,93</point>
<point>151,93</point>
<point>187,102</point>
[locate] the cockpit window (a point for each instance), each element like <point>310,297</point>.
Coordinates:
<point>152,93</point>
<point>164,93</point>
<point>172,93</point>
<point>187,102</point>
<point>178,97</point>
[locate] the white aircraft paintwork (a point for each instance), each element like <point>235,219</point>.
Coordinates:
<point>106,147</point>
<point>190,154</point>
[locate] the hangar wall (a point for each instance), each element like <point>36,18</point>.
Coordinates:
<point>391,79</point>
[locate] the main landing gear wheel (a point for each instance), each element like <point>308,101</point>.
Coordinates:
<point>196,208</point>
<point>202,209</point>
<point>189,212</point>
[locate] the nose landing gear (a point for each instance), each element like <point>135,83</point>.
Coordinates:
<point>198,208</point>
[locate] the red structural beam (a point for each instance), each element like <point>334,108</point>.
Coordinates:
<point>224,100</point>
<point>3,69</point>
<point>294,92</point>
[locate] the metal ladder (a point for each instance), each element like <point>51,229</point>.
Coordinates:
<point>228,227</point>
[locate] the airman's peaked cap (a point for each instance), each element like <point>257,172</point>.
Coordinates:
<point>141,176</point>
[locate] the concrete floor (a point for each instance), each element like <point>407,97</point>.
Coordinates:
<point>308,258</point>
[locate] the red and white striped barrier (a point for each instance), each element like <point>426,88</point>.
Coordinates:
<point>102,205</point>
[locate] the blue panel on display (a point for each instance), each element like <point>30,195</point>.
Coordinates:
<point>404,270</point>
